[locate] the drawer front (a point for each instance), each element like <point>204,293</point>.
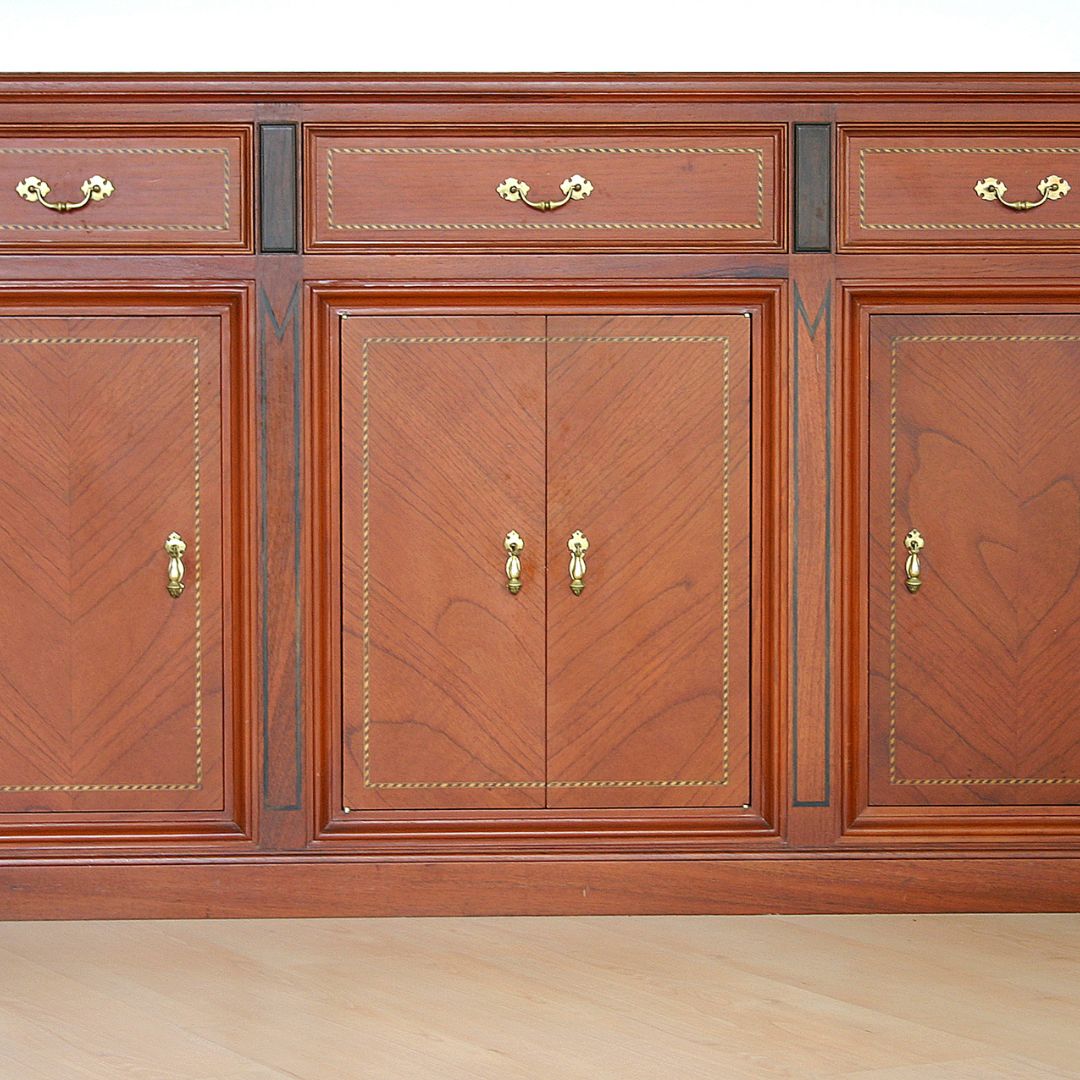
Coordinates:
<point>720,190</point>
<point>185,190</point>
<point>906,189</point>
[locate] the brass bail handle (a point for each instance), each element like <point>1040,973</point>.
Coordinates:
<point>913,566</point>
<point>514,546</point>
<point>578,544</point>
<point>175,548</point>
<point>33,189</point>
<point>573,187</point>
<point>1051,188</point>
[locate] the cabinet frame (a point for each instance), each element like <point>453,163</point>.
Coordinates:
<point>448,833</point>
<point>161,832</point>
<point>1028,827</point>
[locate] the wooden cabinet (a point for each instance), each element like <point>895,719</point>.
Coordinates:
<point>709,347</point>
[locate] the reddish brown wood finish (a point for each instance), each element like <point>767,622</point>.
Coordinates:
<point>913,188</point>
<point>105,673</point>
<point>180,188</point>
<point>877,811</point>
<point>554,830</point>
<point>314,886</point>
<point>442,454</point>
<point>809,789</point>
<point>112,693</point>
<point>649,455</point>
<point>720,188</point>
<point>974,679</point>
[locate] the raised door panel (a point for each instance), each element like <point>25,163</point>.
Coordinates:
<point>975,677</point>
<point>110,688</point>
<point>649,456</point>
<point>442,454</point>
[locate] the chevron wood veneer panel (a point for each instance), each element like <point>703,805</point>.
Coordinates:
<point>111,688</point>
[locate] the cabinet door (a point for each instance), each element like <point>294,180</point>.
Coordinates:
<point>975,677</point>
<point>442,454</point>
<point>649,667</point>
<point>110,687</point>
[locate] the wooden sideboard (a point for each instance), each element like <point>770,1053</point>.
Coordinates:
<point>539,494</point>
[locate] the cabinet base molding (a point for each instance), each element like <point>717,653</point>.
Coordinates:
<point>329,888</point>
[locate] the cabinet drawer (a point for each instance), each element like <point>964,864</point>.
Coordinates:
<point>907,188</point>
<point>187,189</point>
<point>722,189</point>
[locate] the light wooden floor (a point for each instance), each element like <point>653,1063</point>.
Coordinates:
<point>867,998</point>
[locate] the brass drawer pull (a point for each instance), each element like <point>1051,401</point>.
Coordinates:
<point>1051,187</point>
<point>913,567</point>
<point>578,544</point>
<point>34,190</point>
<point>175,548</point>
<point>514,545</point>
<point>573,187</point>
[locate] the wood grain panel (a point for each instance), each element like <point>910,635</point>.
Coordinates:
<point>175,188</point>
<point>721,190</point>
<point>648,669</point>
<point>442,444</point>
<point>110,690</point>
<point>906,187</point>
<point>974,679</point>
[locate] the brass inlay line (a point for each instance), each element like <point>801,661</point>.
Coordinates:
<point>365,528</point>
<point>197,785</point>
<point>894,566</point>
<point>97,150</point>
<point>758,153</point>
<point>983,225</point>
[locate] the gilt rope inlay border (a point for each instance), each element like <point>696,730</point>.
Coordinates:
<point>894,778</point>
<point>951,225</point>
<point>757,151</point>
<point>88,225</point>
<point>197,564</point>
<point>365,573</point>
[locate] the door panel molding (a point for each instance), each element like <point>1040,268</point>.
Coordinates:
<point>569,830</point>
<point>102,828</point>
<point>927,819</point>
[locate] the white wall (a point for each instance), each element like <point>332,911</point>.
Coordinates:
<point>539,35</point>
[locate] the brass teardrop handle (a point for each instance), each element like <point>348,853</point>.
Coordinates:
<point>514,545</point>
<point>913,567</point>
<point>573,187</point>
<point>578,544</point>
<point>175,548</point>
<point>1051,188</point>
<point>32,189</point>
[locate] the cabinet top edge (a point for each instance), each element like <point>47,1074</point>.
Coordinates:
<point>739,86</point>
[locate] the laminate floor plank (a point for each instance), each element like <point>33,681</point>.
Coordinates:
<point>627,998</point>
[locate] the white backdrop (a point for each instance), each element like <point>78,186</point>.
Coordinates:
<point>539,35</point>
